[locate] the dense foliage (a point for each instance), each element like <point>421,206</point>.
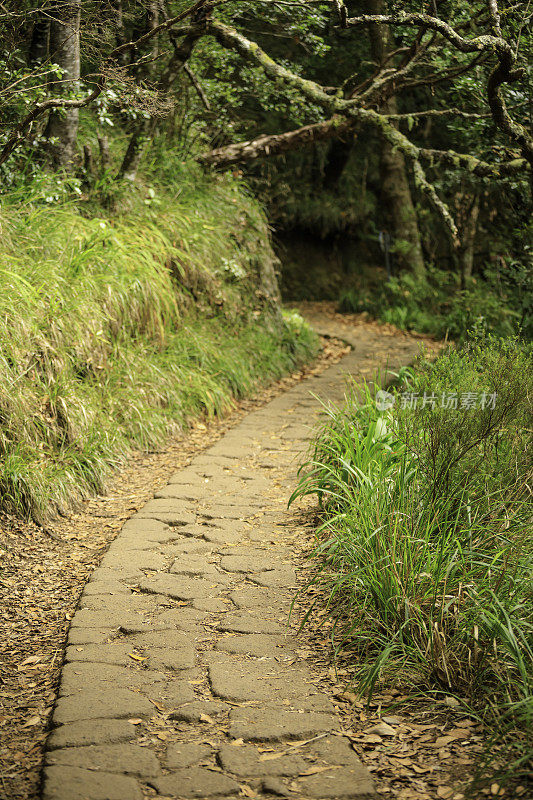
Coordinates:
<point>435,488</point>
<point>119,328</point>
<point>360,121</point>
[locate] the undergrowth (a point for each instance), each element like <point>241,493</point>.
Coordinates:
<point>498,303</point>
<point>424,551</point>
<point>118,327</point>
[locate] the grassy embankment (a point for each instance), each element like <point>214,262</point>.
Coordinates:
<point>117,327</point>
<point>425,551</point>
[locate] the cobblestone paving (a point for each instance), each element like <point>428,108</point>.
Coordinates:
<point>181,677</point>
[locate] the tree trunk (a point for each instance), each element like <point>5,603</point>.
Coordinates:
<point>337,159</point>
<point>146,127</point>
<point>62,128</point>
<point>468,239</point>
<point>38,49</point>
<point>395,190</point>
<point>117,19</point>
<point>132,158</point>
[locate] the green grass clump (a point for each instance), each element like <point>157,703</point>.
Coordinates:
<point>118,327</point>
<point>425,550</point>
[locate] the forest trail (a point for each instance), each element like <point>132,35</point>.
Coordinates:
<point>181,678</point>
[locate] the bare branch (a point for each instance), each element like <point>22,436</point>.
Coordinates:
<point>54,102</point>
<point>197,85</point>
<point>495,17</point>
<point>342,12</point>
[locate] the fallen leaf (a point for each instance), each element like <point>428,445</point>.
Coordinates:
<point>31,722</point>
<point>271,756</point>
<point>382,729</point>
<point>135,721</point>
<point>452,702</point>
<point>206,718</point>
<point>442,741</point>
<point>237,742</point>
<point>444,792</point>
<point>30,660</point>
<point>247,791</point>
<point>371,738</point>
<point>137,658</point>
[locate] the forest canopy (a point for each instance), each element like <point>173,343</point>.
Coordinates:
<point>405,116</point>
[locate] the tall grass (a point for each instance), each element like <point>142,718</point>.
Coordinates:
<point>118,327</point>
<point>425,545</point>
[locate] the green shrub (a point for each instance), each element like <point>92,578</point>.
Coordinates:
<point>425,545</point>
<point>117,328</point>
<point>436,306</point>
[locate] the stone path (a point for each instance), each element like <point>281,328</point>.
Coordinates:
<point>181,678</point>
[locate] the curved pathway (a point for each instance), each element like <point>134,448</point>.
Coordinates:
<point>181,678</point>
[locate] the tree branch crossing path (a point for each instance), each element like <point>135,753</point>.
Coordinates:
<point>182,678</point>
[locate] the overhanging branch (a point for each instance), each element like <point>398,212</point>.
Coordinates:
<point>277,143</point>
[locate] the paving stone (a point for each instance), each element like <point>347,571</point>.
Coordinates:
<point>282,579</point>
<point>187,492</point>
<point>249,623</point>
<point>213,605</point>
<point>145,527</point>
<point>115,652</point>
<point>255,680</point>
<point>187,476</point>
<point>107,587</point>
<point>192,712</point>
<point>218,512</point>
<point>196,782</point>
<point>348,782</point>
<point>172,693</point>
<point>247,761</point>
<point>185,754</point>
<point>120,604</point>
<point>136,559</point>
<point>196,565</point>
<point>91,731</point>
<point>77,636</point>
<point>270,723</point>
<point>133,542</point>
<point>173,660</point>
<point>110,703</point>
<point>172,512</point>
<point>72,783</point>
<point>273,785</point>
<point>259,597</point>
<point>221,536</point>
<point>254,644</point>
<point>187,546</point>
<point>128,758</point>
<point>244,549</point>
<point>335,750</point>
<point>315,702</point>
<point>185,618</point>
<point>128,621</point>
<point>195,531</point>
<point>170,639</point>
<point>78,675</point>
<point>178,587</point>
<point>246,564</point>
